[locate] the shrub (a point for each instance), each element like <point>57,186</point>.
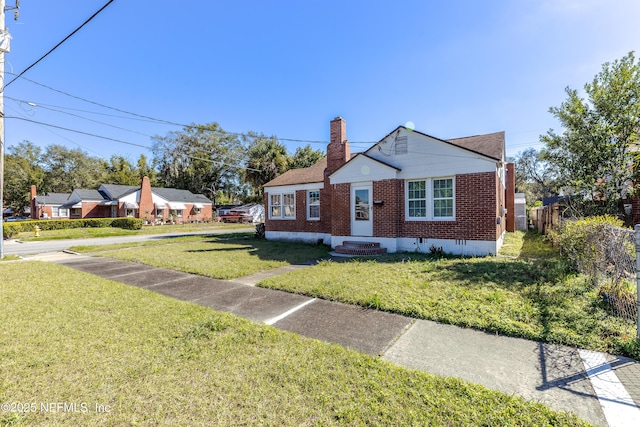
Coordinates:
<point>128,223</point>
<point>11,229</point>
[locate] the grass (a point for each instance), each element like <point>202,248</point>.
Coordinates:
<point>70,337</point>
<point>528,293</point>
<point>220,257</point>
<point>85,233</point>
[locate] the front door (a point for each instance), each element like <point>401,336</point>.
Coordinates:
<point>361,210</point>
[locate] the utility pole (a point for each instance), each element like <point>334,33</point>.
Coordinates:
<point>5,40</point>
<point>4,33</point>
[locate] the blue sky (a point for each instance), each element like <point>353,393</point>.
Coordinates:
<point>286,68</point>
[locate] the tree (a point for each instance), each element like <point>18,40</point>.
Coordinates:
<point>267,158</point>
<point>22,169</point>
<point>68,169</point>
<point>121,171</point>
<point>595,154</point>
<point>305,157</point>
<point>201,159</point>
<point>144,169</point>
<point>535,177</point>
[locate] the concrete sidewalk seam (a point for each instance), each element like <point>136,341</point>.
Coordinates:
<point>289,312</point>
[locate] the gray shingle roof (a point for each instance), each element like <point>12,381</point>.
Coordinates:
<point>52,199</point>
<point>89,194</point>
<point>183,196</point>
<point>117,191</point>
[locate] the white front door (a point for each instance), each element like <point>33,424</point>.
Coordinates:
<point>361,210</point>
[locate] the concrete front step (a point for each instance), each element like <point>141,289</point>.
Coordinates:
<point>360,248</point>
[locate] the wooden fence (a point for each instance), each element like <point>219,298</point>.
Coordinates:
<point>545,218</point>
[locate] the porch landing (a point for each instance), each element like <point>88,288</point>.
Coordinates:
<point>352,247</point>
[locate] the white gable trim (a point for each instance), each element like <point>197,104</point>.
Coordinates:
<point>363,168</point>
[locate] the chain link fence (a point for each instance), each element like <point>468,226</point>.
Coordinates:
<point>607,254</point>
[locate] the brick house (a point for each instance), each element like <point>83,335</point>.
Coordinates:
<point>155,205</point>
<point>48,206</point>
<point>408,192</point>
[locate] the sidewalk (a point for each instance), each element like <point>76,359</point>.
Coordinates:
<point>602,389</point>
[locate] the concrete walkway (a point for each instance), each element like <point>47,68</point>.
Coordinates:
<point>600,388</point>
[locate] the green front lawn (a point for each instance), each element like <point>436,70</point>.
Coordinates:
<point>119,355</point>
<point>84,233</point>
<point>529,294</point>
<point>220,257</point>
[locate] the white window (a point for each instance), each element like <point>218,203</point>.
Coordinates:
<point>176,213</point>
<point>58,212</point>
<point>275,206</point>
<point>417,199</point>
<point>443,198</point>
<point>282,206</point>
<point>197,210</point>
<point>430,199</point>
<point>130,213</point>
<point>313,204</point>
<point>159,213</point>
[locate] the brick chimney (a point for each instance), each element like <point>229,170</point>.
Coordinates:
<point>32,199</point>
<point>338,150</point>
<point>145,204</point>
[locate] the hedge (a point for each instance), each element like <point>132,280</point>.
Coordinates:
<point>10,229</point>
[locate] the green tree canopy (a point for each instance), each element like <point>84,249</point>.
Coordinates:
<point>595,154</point>
<point>200,158</point>
<point>535,177</point>
<point>267,158</point>
<point>22,170</point>
<point>305,157</point>
<point>68,169</point>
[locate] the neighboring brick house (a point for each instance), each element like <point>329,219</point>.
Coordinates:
<point>408,192</point>
<point>155,205</point>
<point>49,205</point>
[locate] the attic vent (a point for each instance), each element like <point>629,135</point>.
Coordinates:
<point>401,145</point>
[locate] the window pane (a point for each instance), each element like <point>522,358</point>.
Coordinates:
<point>288,204</point>
<point>314,211</point>
<point>417,208</point>
<point>443,208</point>
<point>442,188</point>
<point>275,211</point>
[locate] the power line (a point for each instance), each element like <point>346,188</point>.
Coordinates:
<point>169,122</point>
<point>78,131</point>
<point>58,45</point>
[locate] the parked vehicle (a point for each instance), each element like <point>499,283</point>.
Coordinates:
<point>16,218</point>
<point>237,216</point>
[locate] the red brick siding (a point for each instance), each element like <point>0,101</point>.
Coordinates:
<point>475,215</point>
<point>341,210</point>
<point>510,198</point>
<point>388,216</point>
<point>300,223</point>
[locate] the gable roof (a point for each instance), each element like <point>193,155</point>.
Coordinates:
<point>85,194</point>
<point>52,199</point>
<point>489,145</point>
<point>308,175</point>
<point>117,191</point>
<point>184,196</point>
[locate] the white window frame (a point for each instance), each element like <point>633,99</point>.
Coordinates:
<point>197,211</point>
<point>282,198</point>
<point>313,203</point>
<point>175,212</point>
<point>130,213</point>
<point>430,200</point>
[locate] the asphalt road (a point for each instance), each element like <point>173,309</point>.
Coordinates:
<point>12,247</point>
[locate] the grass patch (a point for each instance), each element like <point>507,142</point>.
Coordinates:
<point>10,258</point>
<point>219,256</point>
<point>90,232</point>
<point>67,336</point>
<point>530,293</point>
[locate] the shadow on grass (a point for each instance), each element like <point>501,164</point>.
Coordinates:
<point>266,250</point>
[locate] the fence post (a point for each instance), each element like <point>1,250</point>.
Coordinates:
<point>637,235</point>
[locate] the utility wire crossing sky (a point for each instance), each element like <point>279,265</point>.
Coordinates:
<point>287,68</point>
